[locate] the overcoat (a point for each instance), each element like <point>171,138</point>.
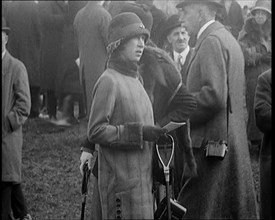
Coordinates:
<point>91,28</point>
<point>16,105</point>
<point>25,38</point>
<point>263,114</point>
<point>223,189</point>
<point>67,80</point>
<point>52,16</point>
<point>256,45</point>
<point>119,109</point>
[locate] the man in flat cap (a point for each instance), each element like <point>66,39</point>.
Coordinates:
<point>224,188</point>
<point>16,105</point>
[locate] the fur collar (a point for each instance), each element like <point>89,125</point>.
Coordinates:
<point>255,31</point>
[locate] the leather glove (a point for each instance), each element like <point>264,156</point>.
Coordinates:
<point>152,133</point>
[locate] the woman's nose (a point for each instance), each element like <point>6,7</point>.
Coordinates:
<point>141,42</point>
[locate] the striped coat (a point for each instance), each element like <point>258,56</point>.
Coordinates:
<point>120,106</point>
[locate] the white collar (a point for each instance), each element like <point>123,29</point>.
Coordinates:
<point>3,54</point>
<point>183,54</point>
<point>204,27</point>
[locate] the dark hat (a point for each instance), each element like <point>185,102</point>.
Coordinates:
<point>123,27</point>
<point>263,5</point>
<point>170,23</point>
<point>4,25</point>
<point>216,3</point>
<point>142,11</point>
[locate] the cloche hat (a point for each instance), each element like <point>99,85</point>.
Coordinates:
<point>142,11</point>
<point>124,26</point>
<point>263,5</point>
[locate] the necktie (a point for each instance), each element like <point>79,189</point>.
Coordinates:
<point>179,62</point>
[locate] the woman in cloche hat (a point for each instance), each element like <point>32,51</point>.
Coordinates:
<point>255,40</point>
<point>121,122</point>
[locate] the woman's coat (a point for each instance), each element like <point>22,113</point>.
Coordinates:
<point>119,109</point>
<point>223,189</point>
<point>256,46</point>
<point>16,105</point>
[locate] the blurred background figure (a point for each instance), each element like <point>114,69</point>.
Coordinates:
<point>67,87</point>
<point>255,41</point>
<point>231,16</point>
<point>246,12</point>
<point>90,27</point>
<point>16,105</point>
<point>52,15</point>
<point>263,115</point>
<point>158,17</point>
<point>114,7</point>
<point>25,43</point>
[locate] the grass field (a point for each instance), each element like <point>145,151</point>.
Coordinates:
<point>51,177</point>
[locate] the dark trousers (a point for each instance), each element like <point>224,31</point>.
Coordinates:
<point>35,100</point>
<point>12,201</point>
<point>51,102</point>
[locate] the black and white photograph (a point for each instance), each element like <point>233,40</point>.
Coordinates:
<point>143,109</point>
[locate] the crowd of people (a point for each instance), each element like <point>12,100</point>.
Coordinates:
<point>131,69</point>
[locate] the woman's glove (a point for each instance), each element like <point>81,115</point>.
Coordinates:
<point>152,133</point>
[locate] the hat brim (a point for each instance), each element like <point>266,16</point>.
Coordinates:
<point>6,29</point>
<point>184,4</point>
<point>133,31</point>
<point>261,8</point>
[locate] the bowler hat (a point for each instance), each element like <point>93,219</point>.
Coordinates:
<point>142,11</point>
<point>263,5</point>
<point>216,3</point>
<point>4,25</point>
<point>172,22</point>
<point>124,26</point>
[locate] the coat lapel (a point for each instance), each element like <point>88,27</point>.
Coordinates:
<point>212,27</point>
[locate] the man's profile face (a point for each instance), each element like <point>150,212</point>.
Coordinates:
<point>190,18</point>
<point>4,40</point>
<point>178,38</point>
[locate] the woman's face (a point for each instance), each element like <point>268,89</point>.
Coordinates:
<point>261,16</point>
<point>133,48</point>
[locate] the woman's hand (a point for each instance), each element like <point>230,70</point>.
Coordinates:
<point>85,156</point>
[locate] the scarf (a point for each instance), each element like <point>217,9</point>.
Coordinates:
<point>122,66</point>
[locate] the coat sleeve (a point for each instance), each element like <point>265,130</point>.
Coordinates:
<point>100,131</point>
<point>212,96</point>
<point>262,102</point>
<point>182,103</point>
<point>180,108</point>
<point>22,99</point>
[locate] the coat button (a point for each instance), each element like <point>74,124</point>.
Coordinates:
<point>118,200</point>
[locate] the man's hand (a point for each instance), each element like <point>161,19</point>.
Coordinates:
<point>85,156</point>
